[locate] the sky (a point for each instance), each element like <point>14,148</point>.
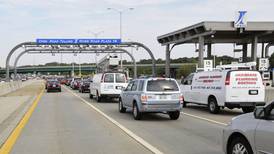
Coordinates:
<point>26,20</point>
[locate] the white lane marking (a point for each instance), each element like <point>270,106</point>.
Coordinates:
<point>127,131</point>
<point>201,118</point>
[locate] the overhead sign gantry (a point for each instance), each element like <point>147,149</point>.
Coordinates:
<point>72,46</point>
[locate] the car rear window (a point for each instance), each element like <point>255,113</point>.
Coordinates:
<point>162,85</point>
<point>54,82</point>
<point>120,78</point>
<point>109,78</point>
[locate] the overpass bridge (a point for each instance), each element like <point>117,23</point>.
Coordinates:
<point>84,68</point>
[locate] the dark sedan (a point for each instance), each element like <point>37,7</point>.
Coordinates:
<point>53,86</point>
<point>84,86</point>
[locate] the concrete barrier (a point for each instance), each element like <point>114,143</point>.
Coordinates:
<point>8,87</point>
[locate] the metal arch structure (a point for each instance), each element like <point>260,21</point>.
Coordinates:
<point>54,50</point>
<point>89,51</point>
<point>130,44</point>
<point>94,51</point>
<point>95,48</point>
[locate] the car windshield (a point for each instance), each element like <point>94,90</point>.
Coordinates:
<point>162,85</point>
<point>120,78</point>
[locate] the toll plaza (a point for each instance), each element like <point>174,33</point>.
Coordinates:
<point>208,33</point>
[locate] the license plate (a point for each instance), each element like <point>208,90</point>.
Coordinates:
<point>162,97</point>
<point>253,92</point>
<point>54,86</point>
<point>119,87</point>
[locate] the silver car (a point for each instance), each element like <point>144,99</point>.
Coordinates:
<point>152,95</point>
<point>251,133</point>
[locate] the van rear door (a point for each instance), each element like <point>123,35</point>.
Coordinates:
<point>244,86</point>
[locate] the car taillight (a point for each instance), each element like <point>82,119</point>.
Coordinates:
<point>227,79</point>
<point>143,98</point>
<point>181,99</point>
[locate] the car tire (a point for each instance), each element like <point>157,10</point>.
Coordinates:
<point>213,105</point>
<point>98,98</point>
<point>248,109</point>
<point>90,96</point>
<point>48,90</point>
<point>137,115</point>
<point>60,90</point>
<point>122,109</point>
<point>174,115</point>
<point>240,144</point>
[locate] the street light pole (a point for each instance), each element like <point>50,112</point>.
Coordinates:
<point>121,25</point>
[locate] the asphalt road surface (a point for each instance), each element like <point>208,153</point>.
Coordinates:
<point>69,122</point>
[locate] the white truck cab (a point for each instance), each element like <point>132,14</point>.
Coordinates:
<point>224,88</point>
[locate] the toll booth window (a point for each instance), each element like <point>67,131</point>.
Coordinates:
<point>120,78</point>
<point>109,78</point>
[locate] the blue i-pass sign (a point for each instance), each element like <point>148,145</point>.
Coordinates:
<point>79,41</point>
<point>240,20</point>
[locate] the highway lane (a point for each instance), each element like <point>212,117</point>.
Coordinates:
<point>187,135</point>
<point>61,124</point>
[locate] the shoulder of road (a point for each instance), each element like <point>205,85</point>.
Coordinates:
<point>15,103</point>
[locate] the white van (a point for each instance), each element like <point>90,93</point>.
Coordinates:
<point>225,88</point>
<point>107,85</point>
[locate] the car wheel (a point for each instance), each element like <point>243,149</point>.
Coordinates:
<point>240,145</point>
<point>137,115</point>
<point>90,96</point>
<point>248,109</point>
<point>48,90</point>
<point>174,115</point>
<point>122,109</point>
<point>213,106</point>
<point>98,98</point>
<point>60,90</point>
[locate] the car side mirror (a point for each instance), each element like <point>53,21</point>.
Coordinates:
<point>259,113</point>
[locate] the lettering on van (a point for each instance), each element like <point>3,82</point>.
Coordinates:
<point>209,79</point>
<point>246,79</point>
<point>207,87</point>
